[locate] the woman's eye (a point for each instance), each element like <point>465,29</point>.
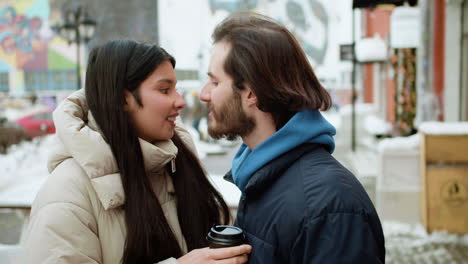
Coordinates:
<point>164,90</point>
<point>215,83</point>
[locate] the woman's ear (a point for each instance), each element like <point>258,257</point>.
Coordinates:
<point>129,100</point>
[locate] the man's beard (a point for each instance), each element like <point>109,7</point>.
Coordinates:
<point>231,120</point>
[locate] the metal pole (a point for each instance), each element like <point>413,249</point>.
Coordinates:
<point>78,66</point>
<point>78,42</point>
<point>156,29</point>
<point>462,55</point>
<point>353,90</point>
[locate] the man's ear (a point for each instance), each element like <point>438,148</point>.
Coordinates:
<point>249,97</point>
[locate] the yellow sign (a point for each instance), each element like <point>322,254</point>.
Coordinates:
<point>454,192</point>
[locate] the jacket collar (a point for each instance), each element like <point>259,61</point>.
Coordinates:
<point>306,126</point>
<point>79,138</point>
<point>265,176</point>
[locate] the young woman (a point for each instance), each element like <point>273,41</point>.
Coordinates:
<point>125,185</point>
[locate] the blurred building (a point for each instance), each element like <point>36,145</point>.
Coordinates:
<point>35,60</point>
<point>437,87</point>
<point>416,81</point>
<point>321,26</point>
<point>452,54</point>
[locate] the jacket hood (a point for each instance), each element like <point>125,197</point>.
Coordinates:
<point>307,126</point>
<point>78,137</point>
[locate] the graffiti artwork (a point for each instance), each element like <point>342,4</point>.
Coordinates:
<point>17,31</point>
<point>31,54</point>
<point>307,19</point>
<point>232,5</point>
<point>303,28</point>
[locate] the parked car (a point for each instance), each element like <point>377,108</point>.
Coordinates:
<point>38,124</point>
<point>10,133</point>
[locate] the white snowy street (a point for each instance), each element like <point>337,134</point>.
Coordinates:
<point>23,171</point>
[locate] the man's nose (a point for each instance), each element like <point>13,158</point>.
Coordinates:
<point>205,94</point>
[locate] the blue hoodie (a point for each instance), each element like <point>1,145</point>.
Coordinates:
<point>307,126</point>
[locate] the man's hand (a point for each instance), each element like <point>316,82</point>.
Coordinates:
<point>229,255</point>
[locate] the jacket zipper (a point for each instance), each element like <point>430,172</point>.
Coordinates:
<point>173,166</point>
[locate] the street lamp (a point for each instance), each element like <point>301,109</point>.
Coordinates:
<point>78,27</point>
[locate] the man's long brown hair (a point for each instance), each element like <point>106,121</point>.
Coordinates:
<point>267,57</point>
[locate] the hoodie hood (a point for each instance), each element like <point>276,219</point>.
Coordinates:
<point>307,126</point>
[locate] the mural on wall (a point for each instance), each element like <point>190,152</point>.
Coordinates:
<point>307,19</point>
<point>17,30</point>
<point>21,44</point>
<point>232,5</point>
<point>305,26</point>
<point>27,44</point>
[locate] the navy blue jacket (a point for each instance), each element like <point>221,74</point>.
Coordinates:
<point>305,207</point>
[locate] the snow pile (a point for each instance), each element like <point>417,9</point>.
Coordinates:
<point>377,126</point>
<point>23,170</point>
<point>360,108</point>
<point>372,49</point>
<point>25,157</point>
<point>412,244</point>
<point>444,128</point>
<point>399,144</point>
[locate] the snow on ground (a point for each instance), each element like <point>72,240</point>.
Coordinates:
<point>412,244</point>
<point>23,170</point>
<point>377,126</point>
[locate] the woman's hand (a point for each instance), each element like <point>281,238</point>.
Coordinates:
<point>229,255</point>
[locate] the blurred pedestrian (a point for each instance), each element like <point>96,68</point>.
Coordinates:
<point>196,111</point>
<point>199,111</point>
<point>298,205</point>
<point>125,184</point>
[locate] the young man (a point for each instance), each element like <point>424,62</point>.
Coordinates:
<point>298,205</point>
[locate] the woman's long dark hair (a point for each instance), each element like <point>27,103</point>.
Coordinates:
<point>123,65</point>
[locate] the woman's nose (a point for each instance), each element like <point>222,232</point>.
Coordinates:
<point>180,101</point>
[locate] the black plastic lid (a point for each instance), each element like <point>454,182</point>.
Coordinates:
<point>225,236</point>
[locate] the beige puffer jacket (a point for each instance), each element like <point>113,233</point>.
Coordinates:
<point>76,216</point>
